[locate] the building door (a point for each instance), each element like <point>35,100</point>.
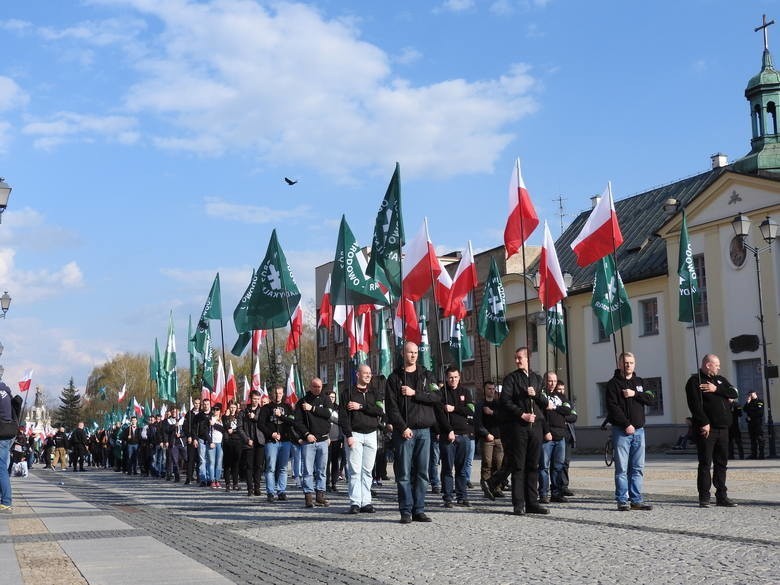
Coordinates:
<point>749,377</point>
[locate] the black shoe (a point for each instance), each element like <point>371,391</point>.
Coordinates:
<point>354,509</point>
<point>406,519</point>
<point>448,505</point>
<point>367,509</point>
<point>518,511</point>
<point>282,497</point>
<point>559,499</point>
<point>725,503</point>
<point>469,485</point>
<point>186,482</point>
<point>435,490</point>
<point>567,492</point>
<point>623,507</point>
<point>704,503</point>
<point>421,517</point>
<point>641,506</point>
<point>270,498</point>
<point>487,489</point>
<point>257,492</point>
<point>498,493</point>
<point>536,509</point>
<point>464,503</point>
<point>544,500</point>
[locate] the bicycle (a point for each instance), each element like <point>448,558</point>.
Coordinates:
<point>609,447</point>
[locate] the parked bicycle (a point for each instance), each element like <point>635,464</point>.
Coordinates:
<point>609,447</point>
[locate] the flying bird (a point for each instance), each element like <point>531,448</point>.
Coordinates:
<point>289,181</point>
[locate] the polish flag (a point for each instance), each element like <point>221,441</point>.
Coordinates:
<point>522,220</point>
<point>551,286</point>
<point>326,311</point>
<point>443,288</point>
<point>257,339</point>
<point>291,395</point>
<point>601,233</point>
<point>231,386</point>
<point>218,395</point>
<point>121,395</point>
<point>24,383</point>
<point>256,375</point>
<point>421,266</point>
<point>296,329</point>
<point>358,330</point>
<point>464,282</point>
<point>406,324</point>
<point>247,388</point>
<point>137,408</point>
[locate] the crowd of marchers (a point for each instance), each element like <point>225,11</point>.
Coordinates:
<point>428,429</point>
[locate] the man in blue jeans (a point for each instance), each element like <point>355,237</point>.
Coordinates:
<point>411,396</point>
<point>558,413</point>
<point>312,422</point>
<point>626,398</point>
<point>456,441</point>
<point>6,416</point>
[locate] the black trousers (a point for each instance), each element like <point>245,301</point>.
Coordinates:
<point>713,453</point>
<point>192,462</point>
<point>735,439</point>
<point>756,431</point>
<point>177,454</point>
<point>522,448</point>
<point>335,460</point>
<point>255,465</point>
<point>232,450</point>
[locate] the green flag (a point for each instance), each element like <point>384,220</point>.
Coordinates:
<point>191,351</point>
<point>388,238</point>
<point>424,349</point>
<point>208,364</point>
<point>171,383</point>
<point>349,284</point>
<point>241,312</point>
<point>275,294</point>
<point>211,310</point>
<point>556,331</point>
<point>154,364</point>
<point>491,319</point>
<point>460,348</point>
<point>610,301</point>
<point>689,282</point>
<point>240,345</point>
<point>385,353</point>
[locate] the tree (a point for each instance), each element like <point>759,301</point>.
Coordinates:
<point>69,412</point>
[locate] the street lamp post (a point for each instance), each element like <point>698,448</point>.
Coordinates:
<point>768,228</point>
<point>5,193</point>
<point>5,302</point>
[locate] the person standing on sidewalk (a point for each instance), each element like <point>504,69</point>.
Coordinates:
<point>312,422</point>
<point>754,408</point>
<point>60,449</point>
<point>626,399</point>
<point>79,440</point>
<point>709,400</point>
<point>9,421</point>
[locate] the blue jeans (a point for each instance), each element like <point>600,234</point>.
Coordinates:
<point>433,463</point>
<point>456,457</point>
<point>5,480</point>
<point>159,460</point>
<point>202,472</point>
<point>410,461</point>
<point>360,463</point>
<point>132,458</point>
<point>314,457</point>
<point>553,452</point>
<point>629,465</point>
<point>277,455</point>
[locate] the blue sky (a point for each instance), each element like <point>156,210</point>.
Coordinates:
<point>147,140</point>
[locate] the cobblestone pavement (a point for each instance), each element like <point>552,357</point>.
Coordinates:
<point>247,540</point>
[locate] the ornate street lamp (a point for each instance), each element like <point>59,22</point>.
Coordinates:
<point>5,303</point>
<point>768,229</point>
<point>5,193</point>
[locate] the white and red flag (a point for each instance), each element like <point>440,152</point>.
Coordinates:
<point>137,408</point>
<point>326,311</point>
<point>551,286</point>
<point>443,287</point>
<point>218,394</point>
<point>291,395</point>
<point>121,394</point>
<point>522,220</point>
<point>421,266</point>
<point>247,388</point>
<point>24,383</point>
<point>464,282</point>
<point>231,386</point>
<point>256,375</point>
<point>358,329</point>
<point>406,325</point>
<point>296,329</point>
<point>257,339</point>
<point>601,233</point>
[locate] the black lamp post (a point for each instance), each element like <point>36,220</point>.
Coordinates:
<point>768,228</point>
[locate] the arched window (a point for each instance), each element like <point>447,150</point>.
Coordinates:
<point>771,117</point>
<point>756,119</point>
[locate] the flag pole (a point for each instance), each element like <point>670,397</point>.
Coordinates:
<point>348,374</point>
<point>525,286</point>
<point>617,269</point>
<point>435,305</point>
<point>224,359</point>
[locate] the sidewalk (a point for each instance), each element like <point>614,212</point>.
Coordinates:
<point>101,527</point>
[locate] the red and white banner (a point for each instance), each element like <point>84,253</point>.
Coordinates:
<point>464,282</point>
<point>601,233</point>
<point>421,266</point>
<point>522,220</point>
<point>326,311</point>
<point>551,286</point>
<point>24,383</point>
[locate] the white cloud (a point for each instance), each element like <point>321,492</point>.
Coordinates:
<point>11,95</point>
<point>292,85</point>
<point>456,5</point>
<point>34,285</point>
<point>502,7</point>
<point>408,55</point>
<point>26,228</point>
<point>216,207</point>
<point>66,127</point>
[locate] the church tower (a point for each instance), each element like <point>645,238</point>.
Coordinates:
<point>763,95</point>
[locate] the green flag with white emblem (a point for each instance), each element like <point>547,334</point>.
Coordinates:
<point>460,348</point>
<point>491,319</point>
<point>385,353</point>
<point>388,238</point>
<point>171,383</point>
<point>211,310</point>
<point>690,296</point>
<point>349,284</point>
<point>610,300</point>
<point>275,294</point>
<point>556,330</point>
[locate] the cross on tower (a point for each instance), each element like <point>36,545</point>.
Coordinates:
<point>764,27</point>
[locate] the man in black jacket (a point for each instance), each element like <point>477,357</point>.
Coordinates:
<point>312,422</point>
<point>709,396</point>
<point>359,414</point>
<point>190,431</point>
<point>456,439</point>
<point>412,395</point>
<point>255,443</point>
<point>558,413</point>
<point>489,432</point>
<point>521,407</point>
<point>79,440</point>
<point>275,419</point>
<point>626,398</point>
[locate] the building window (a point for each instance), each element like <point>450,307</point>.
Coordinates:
<point>602,388</point>
<point>338,333</point>
<point>322,337</point>
<point>324,373</point>
<point>533,338</point>
<point>444,330</point>
<point>339,368</point>
<point>468,301</point>
<point>649,310</point>
<point>598,329</point>
<point>700,314</point>
<point>654,385</point>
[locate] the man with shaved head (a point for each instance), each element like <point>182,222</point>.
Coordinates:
<point>312,422</point>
